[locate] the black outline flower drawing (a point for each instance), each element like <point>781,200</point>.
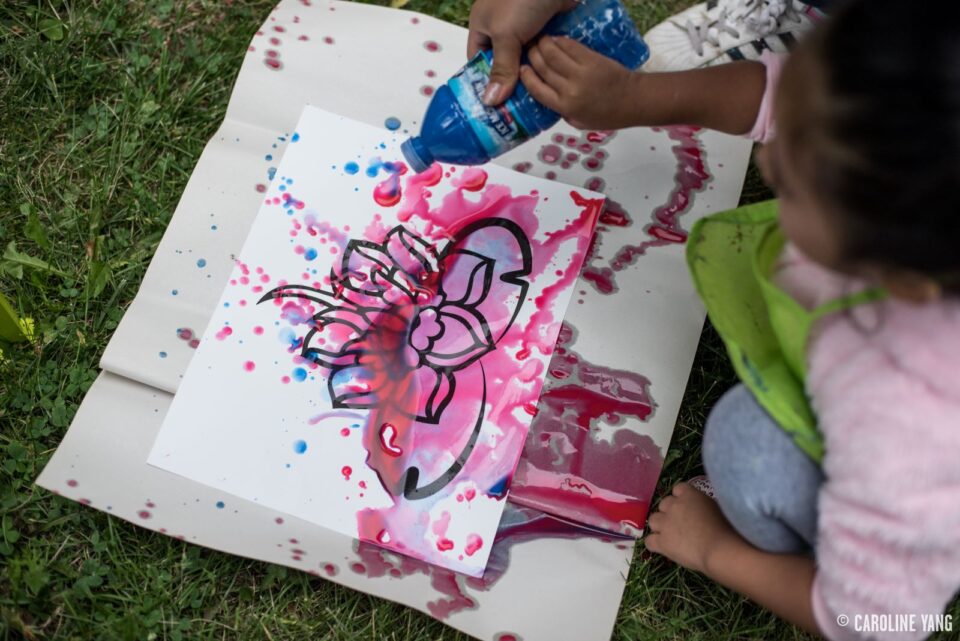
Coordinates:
<point>405,313</point>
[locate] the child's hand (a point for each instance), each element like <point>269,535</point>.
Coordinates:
<point>506,26</point>
<point>588,89</point>
<point>686,527</point>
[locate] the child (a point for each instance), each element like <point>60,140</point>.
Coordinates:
<point>866,164</point>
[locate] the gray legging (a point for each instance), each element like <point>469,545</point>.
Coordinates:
<point>765,485</point>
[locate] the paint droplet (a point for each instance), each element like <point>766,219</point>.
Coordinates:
<point>432,46</point>
<point>300,446</point>
<point>299,374</point>
<point>392,123</point>
<point>351,168</point>
<point>474,543</point>
<point>163,354</point>
<point>345,431</point>
<point>346,470</point>
<point>388,436</point>
<point>444,544</point>
<point>72,483</point>
<point>221,505</point>
<point>202,263</point>
<point>328,40</point>
<point>144,514</point>
<point>249,366</point>
<point>278,521</point>
<point>174,292</point>
<point>258,330</point>
<point>426,90</point>
<point>330,569</point>
<point>224,332</point>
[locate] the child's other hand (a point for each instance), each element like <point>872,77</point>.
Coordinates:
<point>686,527</point>
<point>588,89</point>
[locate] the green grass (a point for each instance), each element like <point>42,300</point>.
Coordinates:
<point>105,107</point>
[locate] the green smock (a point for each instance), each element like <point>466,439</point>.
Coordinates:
<point>731,256</point>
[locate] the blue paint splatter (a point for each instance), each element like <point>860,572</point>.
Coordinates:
<point>213,227</point>
<point>220,505</point>
<point>310,254</point>
<point>299,374</point>
<point>163,354</point>
<point>392,123</point>
<point>300,446</point>
<point>271,172</point>
<point>295,137</point>
<point>351,168</point>
<point>201,263</point>
<point>268,157</point>
<point>174,292</point>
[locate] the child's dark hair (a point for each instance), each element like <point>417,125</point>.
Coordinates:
<point>883,131</point>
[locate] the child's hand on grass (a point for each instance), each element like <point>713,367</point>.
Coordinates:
<point>588,89</point>
<point>686,527</point>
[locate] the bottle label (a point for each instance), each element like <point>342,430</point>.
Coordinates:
<point>499,129</point>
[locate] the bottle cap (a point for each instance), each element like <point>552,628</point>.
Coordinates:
<point>416,154</point>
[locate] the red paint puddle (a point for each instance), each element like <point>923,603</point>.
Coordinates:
<point>567,468</point>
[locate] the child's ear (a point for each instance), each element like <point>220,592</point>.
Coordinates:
<point>911,286</point>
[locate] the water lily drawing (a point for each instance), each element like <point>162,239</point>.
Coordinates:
<point>402,331</point>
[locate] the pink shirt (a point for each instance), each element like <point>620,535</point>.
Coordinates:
<point>884,380</point>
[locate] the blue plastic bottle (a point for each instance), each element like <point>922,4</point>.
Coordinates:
<point>458,128</point>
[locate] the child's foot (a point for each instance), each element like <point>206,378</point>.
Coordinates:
<point>720,31</point>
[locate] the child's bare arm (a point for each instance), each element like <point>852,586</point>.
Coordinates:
<point>782,583</point>
<point>594,92</point>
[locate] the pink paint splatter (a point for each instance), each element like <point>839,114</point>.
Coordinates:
<point>691,176</point>
<point>346,471</point>
<point>224,332</point>
<point>249,366</point>
<point>474,543</point>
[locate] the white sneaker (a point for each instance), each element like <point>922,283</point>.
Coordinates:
<point>721,31</point>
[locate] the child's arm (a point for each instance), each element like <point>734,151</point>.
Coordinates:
<point>592,91</point>
<point>782,583</point>
<point>689,529</point>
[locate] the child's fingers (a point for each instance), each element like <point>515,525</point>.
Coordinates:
<point>541,91</point>
<point>543,67</point>
<point>574,51</point>
<point>556,57</point>
<point>652,542</point>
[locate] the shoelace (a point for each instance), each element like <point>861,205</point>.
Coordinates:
<point>763,17</point>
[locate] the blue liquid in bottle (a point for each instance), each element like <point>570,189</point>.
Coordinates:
<point>458,128</point>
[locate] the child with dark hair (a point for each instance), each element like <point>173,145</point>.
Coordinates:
<point>835,465</point>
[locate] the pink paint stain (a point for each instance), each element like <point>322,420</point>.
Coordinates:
<point>346,471</point>
<point>249,366</point>
<point>517,526</point>
<point>224,332</point>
